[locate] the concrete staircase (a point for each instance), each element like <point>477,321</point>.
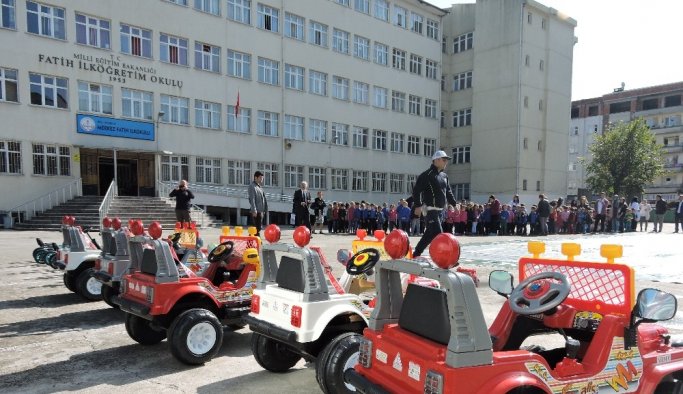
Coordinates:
<point>86,211</point>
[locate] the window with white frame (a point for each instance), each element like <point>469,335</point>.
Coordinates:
<point>381,54</point>
<point>415,64</point>
<point>410,182</point>
<point>317,82</point>
<point>397,141</point>
<point>340,88</point>
<point>239,64</point>
<point>382,10</point>
<point>360,137</point>
<point>340,179</point>
<point>240,123</point>
<point>379,182</point>
<point>461,191</point>
<point>240,11</point>
<point>49,91</point>
<point>268,71</point>
<point>416,22</point>
<point>399,59</point>
<point>93,31</point>
<point>340,134</point>
<point>413,145</point>
<point>207,57</point>
<point>359,181</point>
<point>270,174</point>
<point>94,97</point>
<point>136,104</point>
<point>207,114</point>
<point>51,160</point>
<point>294,127</point>
<point>340,41</point>
<point>10,157</point>
<point>136,41</point>
<point>179,2</point>
<point>432,29</point>
<point>317,178</point>
<point>317,130</point>
<point>444,45</point>
<point>462,118</point>
<point>462,81</point>
<point>398,101</point>
<point>317,34</point>
<point>429,146</point>
<point>176,110</point>
<point>208,170</point>
<point>380,97</point>
<point>294,77</point>
<point>430,69</point>
<point>174,168</point>
<point>343,2</point>
<point>361,92</point>
<point>400,17</point>
<point>430,108</point>
<point>209,6</point>
<point>8,16</point>
<point>362,6</point>
<point>463,42</point>
<point>45,20</point>
<point>379,140</point>
<point>572,166</point>
<point>267,18</point>
<point>538,187</point>
<point>361,47</point>
<point>294,175</point>
<point>294,26</point>
<point>396,183</point>
<point>267,123</point>
<point>461,154</point>
<point>414,104</point>
<point>239,172</point>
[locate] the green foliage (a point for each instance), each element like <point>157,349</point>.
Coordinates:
<point>625,159</point>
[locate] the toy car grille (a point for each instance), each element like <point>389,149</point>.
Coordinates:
<point>240,245</point>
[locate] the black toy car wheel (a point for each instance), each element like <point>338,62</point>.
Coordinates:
<point>70,282</point>
<point>51,259</point>
<point>272,355</point>
<point>195,336</point>
<point>40,256</point>
<point>108,293</point>
<point>338,356</point>
<point>36,253</point>
<point>141,331</point>
<point>88,287</point>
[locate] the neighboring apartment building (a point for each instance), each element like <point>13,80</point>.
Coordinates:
<point>586,124</point>
<point>343,94</point>
<point>660,106</point>
<point>507,72</point>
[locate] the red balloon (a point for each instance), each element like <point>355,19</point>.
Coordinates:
<point>272,233</point>
<point>361,233</point>
<point>137,228</point>
<point>445,250</point>
<point>155,230</point>
<point>302,236</point>
<point>116,223</point>
<point>71,221</point>
<point>106,222</point>
<point>65,219</point>
<point>379,234</point>
<point>397,244</point>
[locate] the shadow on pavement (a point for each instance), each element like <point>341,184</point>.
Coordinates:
<point>97,318</point>
<point>46,301</point>
<point>296,381</point>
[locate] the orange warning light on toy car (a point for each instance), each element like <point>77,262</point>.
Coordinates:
<point>272,233</point>
<point>445,250</point>
<point>397,244</point>
<point>155,230</point>
<point>302,236</point>
<point>106,222</point>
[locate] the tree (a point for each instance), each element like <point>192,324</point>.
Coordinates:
<point>626,157</point>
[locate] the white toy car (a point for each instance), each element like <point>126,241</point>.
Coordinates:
<point>77,259</point>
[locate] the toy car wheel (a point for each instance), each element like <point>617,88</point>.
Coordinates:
<point>338,356</point>
<point>70,282</point>
<point>40,256</point>
<point>195,336</point>
<point>88,287</point>
<point>141,331</point>
<point>108,293</point>
<point>51,258</point>
<point>273,355</point>
<point>36,253</point>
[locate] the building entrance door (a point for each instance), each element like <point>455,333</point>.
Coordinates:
<point>135,172</point>
<point>126,173</point>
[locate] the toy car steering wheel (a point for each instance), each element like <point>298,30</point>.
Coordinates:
<point>362,261</point>
<point>538,294</point>
<point>221,252</point>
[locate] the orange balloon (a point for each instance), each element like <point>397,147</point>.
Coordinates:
<point>445,250</point>
<point>302,236</point>
<point>272,233</point>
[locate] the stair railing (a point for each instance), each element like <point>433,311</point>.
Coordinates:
<point>112,192</point>
<point>197,212</point>
<point>43,203</point>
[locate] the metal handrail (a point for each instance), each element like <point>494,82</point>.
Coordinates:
<point>112,192</point>
<point>48,200</point>
<point>197,210</point>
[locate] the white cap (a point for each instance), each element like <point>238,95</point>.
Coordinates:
<point>439,154</point>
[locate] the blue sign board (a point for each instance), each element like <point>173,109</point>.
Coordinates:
<point>99,125</point>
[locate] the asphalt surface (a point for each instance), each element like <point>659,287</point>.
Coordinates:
<point>51,340</point>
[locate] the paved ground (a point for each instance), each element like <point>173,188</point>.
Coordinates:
<point>53,341</point>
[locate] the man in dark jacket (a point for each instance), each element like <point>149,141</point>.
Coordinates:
<point>182,195</point>
<point>302,201</point>
<point>660,210</point>
<point>543,213</point>
<point>432,189</point>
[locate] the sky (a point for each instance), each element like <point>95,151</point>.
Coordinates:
<point>631,41</point>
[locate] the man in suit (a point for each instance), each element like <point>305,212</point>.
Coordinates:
<point>302,200</point>
<point>679,212</point>
<point>258,206</point>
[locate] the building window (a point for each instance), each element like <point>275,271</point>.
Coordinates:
<point>381,97</point>
<point>361,47</point>
<point>576,130</point>
<point>381,53</point>
<point>379,140</point>
<point>317,178</point>
<point>382,10</point>
<point>429,146</point>
<point>340,41</point>
<point>415,64</point>
<point>340,179</point>
<point>362,6</point>
<point>430,108</point>
<point>317,83</point>
<point>538,186</point>
<point>399,59</point>
<point>593,110</point>
<point>379,182</point>
<point>268,71</point>
<point>267,18</point>
<point>400,17</point>
<point>444,45</point>
<point>443,119</point>
<point>174,168</point>
<point>270,174</point>
<point>572,166</point>
<point>416,22</point>
<point>318,34</point>
<point>461,191</point>
<point>360,181</point>
<point>410,181</point>
<point>208,170</point>
<point>414,104</point>
<point>239,64</point>
<point>240,11</point>
<point>95,98</point>
<point>137,104</point>
<point>462,118</point>
<point>539,146</point>
<point>8,85</point>
<point>207,114</point>
<point>398,101</point>
<point>360,137</point>
<point>430,69</point>
<point>294,26</point>
<point>10,157</point>
<point>240,123</point>
<point>529,17</point>
<point>345,3</point>
<point>267,123</point>
<point>207,57</point>
<point>433,29</point>
<point>462,81</point>
<point>461,154</point>
<point>397,140</point>
<point>136,41</point>
<point>294,175</point>
<point>525,143</point>
<point>49,91</point>
<point>173,49</point>
<point>361,92</point>
<point>51,160</point>
<point>540,105</point>
<point>443,83</point>
<point>44,20</point>
<point>340,134</point>
<point>543,23</point>
<point>524,184</point>
<point>294,127</point>
<point>294,77</point>
<point>526,101</point>
<point>340,88</point>
<point>527,60</point>
<point>239,172</point>
<point>209,6</point>
<point>672,101</point>
<point>175,109</point>
<point>8,14</point>
<point>541,65</point>
<point>317,130</point>
<point>92,31</point>
<point>463,42</point>
<point>413,145</point>
<point>396,183</point>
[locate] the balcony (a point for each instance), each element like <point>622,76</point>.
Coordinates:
<point>670,128</point>
<point>673,148</point>
<point>673,167</point>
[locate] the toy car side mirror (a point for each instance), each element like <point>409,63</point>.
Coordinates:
<point>655,305</point>
<point>501,282</point>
